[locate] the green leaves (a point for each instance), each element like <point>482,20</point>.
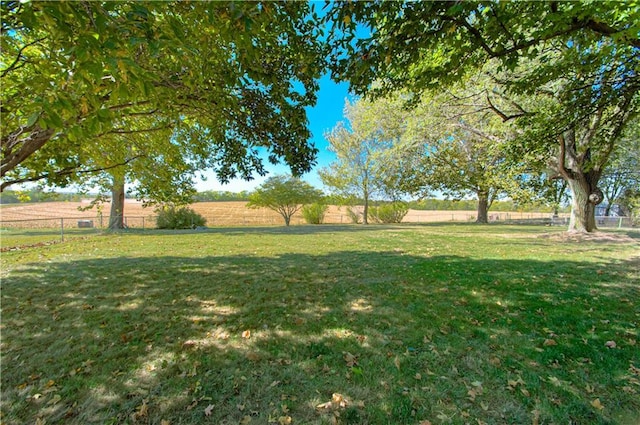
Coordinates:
<point>100,71</point>
<point>285,195</point>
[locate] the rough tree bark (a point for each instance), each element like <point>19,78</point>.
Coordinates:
<point>16,147</point>
<point>483,208</point>
<point>583,185</point>
<point>116,216</point>
<point>584,198</point>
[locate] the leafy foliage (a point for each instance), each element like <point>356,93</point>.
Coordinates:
<point>387,213</point>
<point>463,148</point>
<point>314,213</point>
<point>172,217</point>
<point>578,60</point>
<point>285,195</point>
<point>209,83</point>
<point>371,158</point>
<point>622,174</point>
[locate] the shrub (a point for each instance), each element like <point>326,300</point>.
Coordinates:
<point>314,213</point>
<point>388,213</point>
<point>171,217</point>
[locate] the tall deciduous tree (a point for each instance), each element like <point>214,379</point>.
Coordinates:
<point>73,74</point>
<point>285,195</point>
<point>371,159</point>
<point>584,56</point>
<point>463,146</point>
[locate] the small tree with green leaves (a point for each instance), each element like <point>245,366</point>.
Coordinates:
<point>284,195</point>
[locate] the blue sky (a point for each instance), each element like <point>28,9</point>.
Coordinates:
<point>322,117</point>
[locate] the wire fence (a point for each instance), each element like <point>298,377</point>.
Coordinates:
<point>18,234</point>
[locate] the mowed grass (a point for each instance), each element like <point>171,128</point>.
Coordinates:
<point>324,325</point>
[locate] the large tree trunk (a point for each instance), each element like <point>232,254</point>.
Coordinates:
<point>584,198</point>
<point>575,167</point>
<point>116,216</point>
<point>483,208</point>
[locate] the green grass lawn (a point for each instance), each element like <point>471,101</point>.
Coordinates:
<point>324,325</point>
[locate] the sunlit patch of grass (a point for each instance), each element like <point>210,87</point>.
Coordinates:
<point>391,324</point>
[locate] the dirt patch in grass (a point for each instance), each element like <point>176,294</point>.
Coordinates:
<point>602,237</point>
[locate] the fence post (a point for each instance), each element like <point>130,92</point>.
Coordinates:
<point>620,223</point>
<point>62,230</point>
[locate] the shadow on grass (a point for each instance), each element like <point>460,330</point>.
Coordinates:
<point>403,338</point>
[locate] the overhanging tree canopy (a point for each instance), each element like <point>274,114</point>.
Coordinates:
<point>73,74</point>
<point>583,57</point>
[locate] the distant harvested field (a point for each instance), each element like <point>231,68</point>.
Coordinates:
<point>48,214</point>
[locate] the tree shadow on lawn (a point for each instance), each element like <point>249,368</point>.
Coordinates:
<point>401,338</point>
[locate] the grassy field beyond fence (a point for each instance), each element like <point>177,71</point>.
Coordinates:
<point>408,324</point>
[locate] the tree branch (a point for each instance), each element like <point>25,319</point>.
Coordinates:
<point>501,114</point>
<point>30,144</point>
<point>65,172</point>
<point>17,59</point>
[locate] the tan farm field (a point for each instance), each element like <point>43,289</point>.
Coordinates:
<point>50,214</point>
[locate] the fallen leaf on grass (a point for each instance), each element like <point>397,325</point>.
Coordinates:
<point>597,404</point>
<point>284,420</point>
<point>142,411</point>
<point>337,401</point>
<point>549,342</point>
<point>536,417</point>
<point>208,410</point>
<point>475,391</point>
<point>495,361</point>
<point>56,399</point>
<point>610,344</point>
<point>396,361</point>
<point>350,359</point>
<point>246,334</point>
<point>246,420</point>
